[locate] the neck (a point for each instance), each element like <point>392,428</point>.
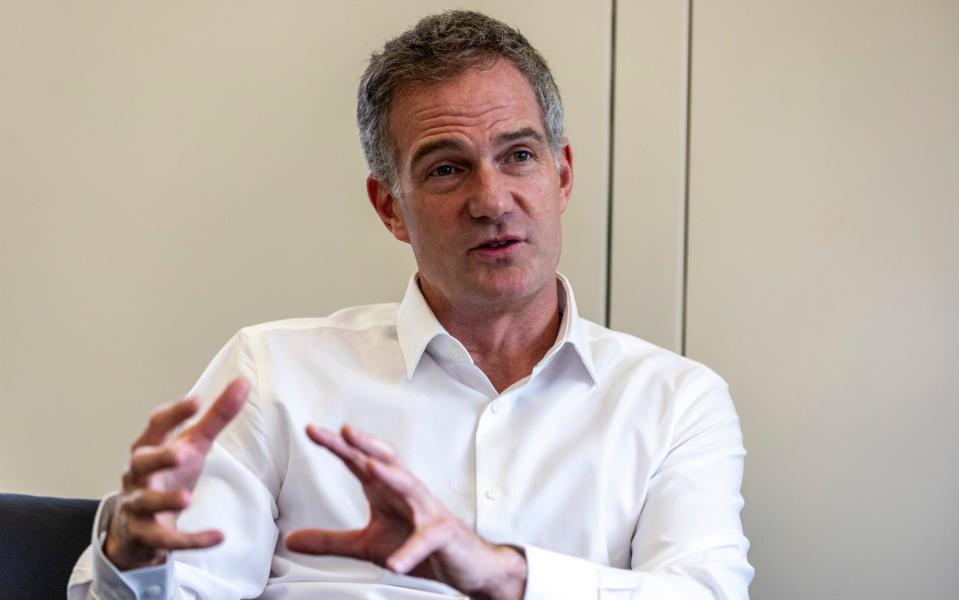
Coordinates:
<point>505,342</point>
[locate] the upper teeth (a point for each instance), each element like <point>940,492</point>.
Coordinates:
<point>498,244</point>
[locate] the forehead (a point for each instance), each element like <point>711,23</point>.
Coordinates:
<point>478,104</point>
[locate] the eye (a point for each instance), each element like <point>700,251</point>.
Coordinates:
<point>443,171</point>
<point>522,156</point>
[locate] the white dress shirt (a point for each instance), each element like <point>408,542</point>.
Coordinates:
<point>616,465</point>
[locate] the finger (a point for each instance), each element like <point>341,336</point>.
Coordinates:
<point>149,502</point>
<point>375,447</point>
<point>399,480</point>
<point>326,542</point>
<point>355,460</point>
<point>164,419</point>
<point>417,548</point>
<point>402,485</point>
<point>220,413</point>
<point>152,535</point>
<point>147,460</point>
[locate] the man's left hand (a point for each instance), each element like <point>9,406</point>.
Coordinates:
<point>410,531</point>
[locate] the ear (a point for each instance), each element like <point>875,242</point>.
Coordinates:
<point>565,175</point>
<point>387,207</point>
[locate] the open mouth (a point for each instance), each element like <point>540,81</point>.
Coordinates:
<point>497,247</point>
<point>497,244</point>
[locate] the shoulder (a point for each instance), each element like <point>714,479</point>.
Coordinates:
<point>308,352</point>
<point>341,338</point>
<point>681,395</point>
<point>618,354</point>
<point>347,321</point>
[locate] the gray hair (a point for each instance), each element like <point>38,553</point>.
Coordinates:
<point>439,48</point>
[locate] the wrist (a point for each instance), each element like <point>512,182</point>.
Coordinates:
<point>509,575</point>
<point>124,558</point>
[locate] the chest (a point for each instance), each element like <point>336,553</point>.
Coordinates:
<point>545,465</point>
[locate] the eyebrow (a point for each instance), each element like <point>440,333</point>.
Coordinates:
<point>452,144</point>
<point>519,134</point>
<point>431,147</point>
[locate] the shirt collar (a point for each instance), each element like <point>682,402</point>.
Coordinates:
<point>416,326</point>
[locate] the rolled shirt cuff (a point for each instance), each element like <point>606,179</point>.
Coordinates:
<point>148,583</point>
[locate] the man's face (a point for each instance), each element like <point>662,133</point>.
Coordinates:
<point>480,194</point>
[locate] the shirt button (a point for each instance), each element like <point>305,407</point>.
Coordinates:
<point>496,407</point>
<point>153,591</point>
<point>492,493</point>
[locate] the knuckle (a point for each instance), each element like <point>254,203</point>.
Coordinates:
<point>134,502</point>
<point>156,419</point>
<point>172,500</point>
<point>424,520</point>
<point>138,453</point>
<point>136,474</point>
<point>174,455</point>
<point>136,533</point>
<point>153,536</point>
<point>447,528</point>
<point>123,505</point>
<point>168,539</point>
<point>166,456</point>
<point>127,479</point>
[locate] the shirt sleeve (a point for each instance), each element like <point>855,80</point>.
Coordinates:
<point>235,494</point>
<point>689,542</point>
<point>94,576</point>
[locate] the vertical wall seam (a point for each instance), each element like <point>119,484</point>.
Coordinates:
<point>683,329</point>
<point>610,165</point>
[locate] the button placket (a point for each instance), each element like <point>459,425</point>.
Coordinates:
<point>493,518</point>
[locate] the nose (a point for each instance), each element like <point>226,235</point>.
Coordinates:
<point>489,194</point>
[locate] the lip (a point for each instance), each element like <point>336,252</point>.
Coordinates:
<point>509,245</point>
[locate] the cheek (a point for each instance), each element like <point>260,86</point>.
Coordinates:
<point>430,233</point>
<point>552,232</point>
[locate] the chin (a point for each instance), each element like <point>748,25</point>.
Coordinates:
<point>508,286</point>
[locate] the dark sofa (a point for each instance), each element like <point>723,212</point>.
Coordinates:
<point>40,540</point>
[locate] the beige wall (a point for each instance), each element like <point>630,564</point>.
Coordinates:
<point>172,171</point>
<point>824,283</point>
<point>822,272</point>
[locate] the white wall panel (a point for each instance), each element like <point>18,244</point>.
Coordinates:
<point>649,170</point>
<point>172,171</point>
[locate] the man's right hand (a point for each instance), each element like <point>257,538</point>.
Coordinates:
<point>160,478</point>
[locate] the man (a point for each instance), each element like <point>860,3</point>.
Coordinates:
<point>479,438</point>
